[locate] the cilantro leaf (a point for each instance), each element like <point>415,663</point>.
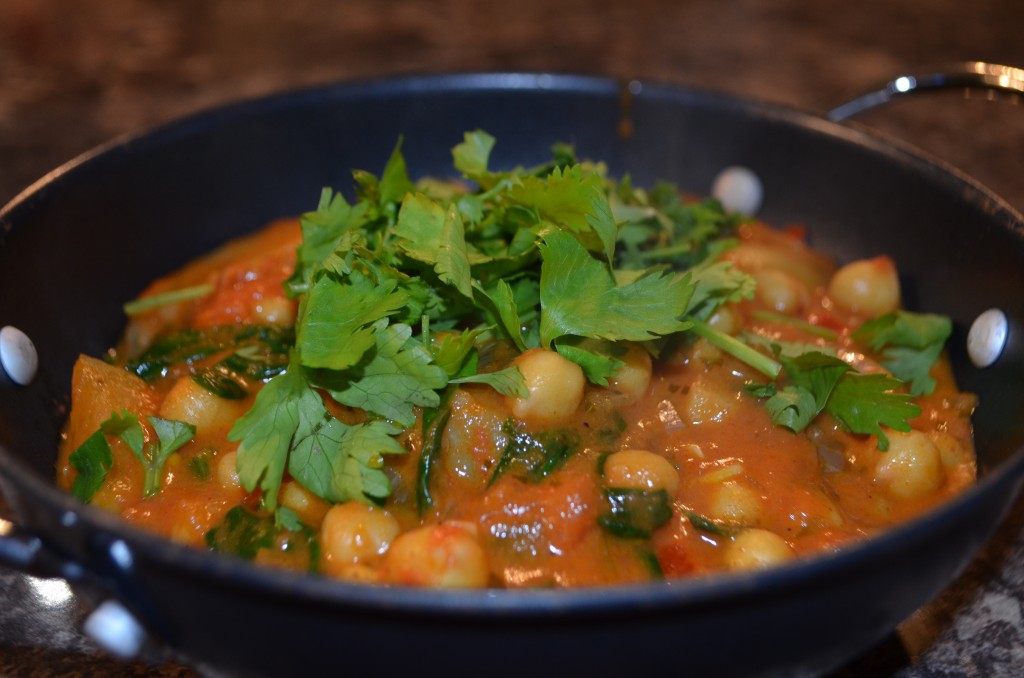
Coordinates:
<point>904,328</point>
<point>579,296</point>
<point>394,180</point>
<point>340,462</point>
<point>93,460</point>
<point>322,234</point>
<point>508,381</point>
<point>397,375</point>
<point>171,436</point>
<point>126,426</point>
<point>913,366</point>
<point>289,426</point>
<point>866,402</point>
<point>598,359</point>
<point>265,432</point>
<point>574,200</point>
<point>453,351</point>
<point>436,236</point>
<point>471,156</point>
<point>793,407</point>
<point>335,324</point>
<point>820,382</point>
<point>817,372</point>
<point>503,299</point>
<point>716,284</point>
<point>912,342</point>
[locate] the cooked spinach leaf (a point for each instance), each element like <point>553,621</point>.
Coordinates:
<point>533,457</point>
<point>635,514</point>
<point>244,533</point>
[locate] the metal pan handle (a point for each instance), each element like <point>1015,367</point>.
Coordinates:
<point>970,75</point>
<point>988,333</point>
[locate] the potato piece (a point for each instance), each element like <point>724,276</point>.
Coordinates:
<point>97,390</point>
<point>707,402</point>
<point>211,415</point>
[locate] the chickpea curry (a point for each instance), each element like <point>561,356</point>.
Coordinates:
<point>529,378</point>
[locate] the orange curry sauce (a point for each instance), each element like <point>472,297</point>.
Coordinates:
<point>803,493</point>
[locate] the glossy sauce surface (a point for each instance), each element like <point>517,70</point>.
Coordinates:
<point>742,491</point>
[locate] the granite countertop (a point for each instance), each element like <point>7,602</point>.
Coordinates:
<point>72,79</point>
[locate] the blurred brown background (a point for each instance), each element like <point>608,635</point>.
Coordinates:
<point>76,73</point>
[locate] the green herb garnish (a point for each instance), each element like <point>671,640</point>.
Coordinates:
<point>244,533</point>
<point>910,344</point>
<point>157,300</point>
<point>94,458</point>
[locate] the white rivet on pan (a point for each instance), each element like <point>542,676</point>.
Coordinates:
<point>114,629</point>
<point>739,190</point>
<point>18,356</point>
<point>987,337</point>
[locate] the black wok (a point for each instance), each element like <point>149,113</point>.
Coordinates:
<point>92,234</point>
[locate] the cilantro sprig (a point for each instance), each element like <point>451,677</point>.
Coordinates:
<point>551,255</point>
<point>818,382</point>
<point>909,343</point>
<point>401,291</point>
<point>94,458</point>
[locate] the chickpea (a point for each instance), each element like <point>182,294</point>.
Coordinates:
<point>354,532</point>
<point>737,503</point>
<point>189,402</point>
<point>756,549</point>
<point>310,508</point>
<point>780,291</point>
<point>706,352</point>
<point>867,286</point>
<point>954,453</point>
<point>227,470</point>
<point>640,470</point>
<point>727,319</point>
<point>555,386</point>
<point>275,311</point>
<point>356,572</point>
<point>438,556</point>
<point>912,467</point>
<point>958,460</point>
<point>634,376</point>
<point>811,509</point>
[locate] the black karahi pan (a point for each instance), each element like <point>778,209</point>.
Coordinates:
<point>90,235</point>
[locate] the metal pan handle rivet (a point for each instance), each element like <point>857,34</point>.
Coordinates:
<point>739,189</point>
<point>18,357</point>
<point>113,628</point>
<point>987,337</point>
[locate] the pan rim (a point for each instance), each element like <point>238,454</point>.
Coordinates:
<point>669,594</point>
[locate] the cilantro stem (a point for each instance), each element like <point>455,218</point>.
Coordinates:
<point>152,478</point>
<point>816,330</point>
<point>184,294</point>
<point>738,349</point>
<point>666,252</point>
